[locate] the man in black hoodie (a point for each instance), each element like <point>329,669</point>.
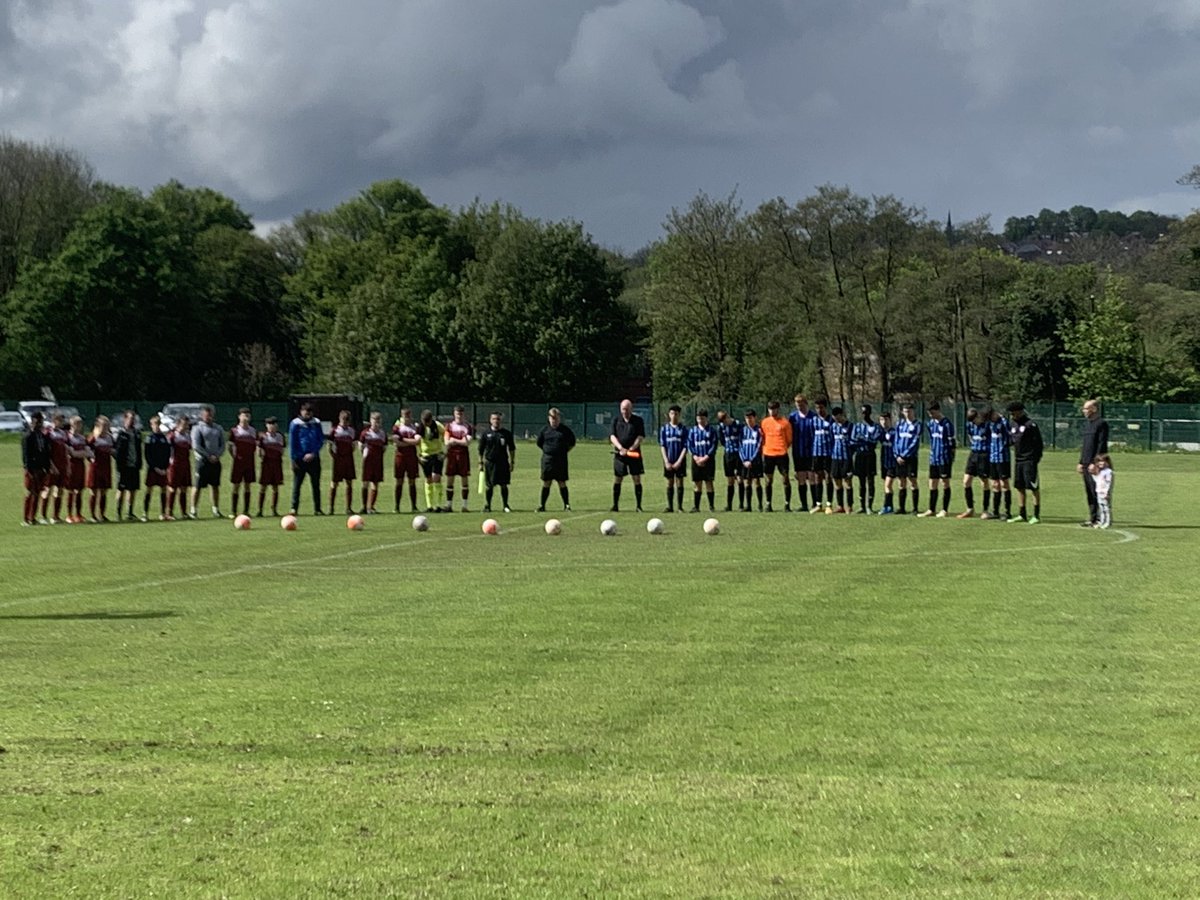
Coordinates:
<point>128,454</point>
<point>1026,440</point>
<point>1094,442</point>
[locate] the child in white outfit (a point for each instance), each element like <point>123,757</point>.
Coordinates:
<point>1103,479</point>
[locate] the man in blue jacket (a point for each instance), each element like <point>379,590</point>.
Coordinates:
<point>305,437</point>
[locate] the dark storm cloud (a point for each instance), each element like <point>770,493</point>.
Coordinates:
<point>612,112</point>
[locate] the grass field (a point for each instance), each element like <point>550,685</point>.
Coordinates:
<point>798,707</point>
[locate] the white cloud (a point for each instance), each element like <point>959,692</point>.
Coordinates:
<point>1172,203</point>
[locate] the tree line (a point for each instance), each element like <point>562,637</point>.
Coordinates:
<point>107,291</point>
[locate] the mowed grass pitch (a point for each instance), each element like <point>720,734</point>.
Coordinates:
<point>800,706</point>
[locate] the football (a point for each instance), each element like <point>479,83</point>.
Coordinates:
<point>655,526</point>
<point>242,523</point>
<point>288,523</point>
<point>712,526</point>
<point>355,523</point>
<point>491,526</point>
<point>553,526</point>
<point>420,523</point>
<point>608,527</point>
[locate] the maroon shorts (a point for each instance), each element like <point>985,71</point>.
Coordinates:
<point>272,472</point>
<point>99,476</point>
<point>406,466</point>
<point>35,481</point>
<point>155,478</point>
<point>76,480</point>
<point>343,468</point>
<point>373,469</point>
<point>179,476</point>
<point>61,477</point>
<point>458,462</point>
<point>242,471</point>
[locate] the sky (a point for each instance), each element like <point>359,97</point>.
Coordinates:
<point>613,113</point>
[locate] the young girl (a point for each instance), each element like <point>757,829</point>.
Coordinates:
<point>341,448</point>
<point>158,460</point>
<point>99,476</point>
<point>374,441</point>
<point>271,444</point>
<point>79,453</point>
<point>179,472</point>
<point>1103,479</point>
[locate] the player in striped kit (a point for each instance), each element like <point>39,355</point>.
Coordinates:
<point>373,440</point>
<point>271,444</point>
<point>839,463</point>
<point>887,460</point>
<point>243,448</point>
<point>864,436</point>
<point>822,450</point>
<point>941,460</point>
<point>750,453</point>
<point>404,433</point>
<point>977,463</point>
<point>341,447</point>
<point>702,442</point>
<point>999,464</point>
<point>906,445</point>
<point>672,443</point>
<point>730,430</point>
<point>801,419</point>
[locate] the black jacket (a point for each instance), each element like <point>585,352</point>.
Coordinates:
<point>128,449</point>
<point>1095,440</point>
<point>35,451</point>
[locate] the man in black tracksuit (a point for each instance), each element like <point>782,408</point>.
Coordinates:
<point>1026,440</point>
<point>1095,442</point>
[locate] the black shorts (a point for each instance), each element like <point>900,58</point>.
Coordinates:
<point>1027,476</point>
<point>864,464</point>
<point>941,470</point>
<point>977,464</point>
<point>820,464</point>
<point>128,479</point>
<point>554,469</point>
<point>497,473</point>
<point>906,467</point>
<point>704,473</point>
<point>733,465</point>
<point>208,474</point>
<point>754,470</point>
<point>889,471</point>
<point>680,473</point>
<point>999,471</point>
<point>773,464</point>
<point>432,465</point>
<point>801,463</point>
<point>839,469</point>
<point>627,465</point>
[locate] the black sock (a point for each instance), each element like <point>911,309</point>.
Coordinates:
<point>946,500</point>
<point>841,497</point>
<point>970,494</point>
<point>995,503</point>
<point>504,494</point>
<point>933,498</point>
<point>759,492</point>
<point>770,492</point>
<point>903,498</point>
<point>887,499</point>
<point>637,495</point>
<point>679,494</point>
<point>815,490</point>
<point>670,496</point>
<point>490,490</point>
<point>787,493</point>
<point>565,493</point>
<point>1037,510</point>
<point>987,498</point>
<point>729,496</point>
<point>802,494</point>
<point>616,495</point>
<point>1008,502</point>
<point>711,505</point>
<point>696,498</point>
<point>545,497</point>
<point>849,495</point>
<point>916,499</point>
<point>741,486</point>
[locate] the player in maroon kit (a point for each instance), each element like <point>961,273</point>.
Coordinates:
<point>79,453</point>
<point>243,446</point>
<point>271,444</point>
<point>404,433</point>
<point>458,458</point>
<point>341,448</point>
<point>56,485</point>
<point>179,472</point>
<point>99,476</point>
<point>374,441</point>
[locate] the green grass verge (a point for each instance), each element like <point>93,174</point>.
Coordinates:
<point>800,706</point>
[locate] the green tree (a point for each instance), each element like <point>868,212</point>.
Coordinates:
<point>1104,351</point>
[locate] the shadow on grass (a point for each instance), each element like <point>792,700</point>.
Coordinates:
<point>101,615</point>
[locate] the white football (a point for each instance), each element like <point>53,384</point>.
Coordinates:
<point>655,526</point>
<point>712,526</point>
<point>553,526</point>
<point>420,523</point>
<point>608,526</point>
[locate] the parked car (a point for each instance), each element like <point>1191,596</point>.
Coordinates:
<point>172,411</point>
<point>68,413</point>
<point>28,407</point>
<point>12,422</point>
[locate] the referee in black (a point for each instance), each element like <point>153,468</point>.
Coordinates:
<point>555,441</point>
<point>1094,442</point>
<point>628,432</point>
